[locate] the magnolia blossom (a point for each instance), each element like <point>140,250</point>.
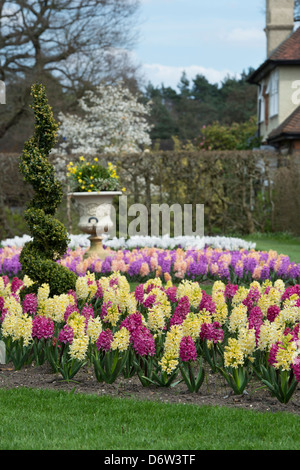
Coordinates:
<point>114,121</point>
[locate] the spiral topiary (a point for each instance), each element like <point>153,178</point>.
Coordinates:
<point>49,236</point>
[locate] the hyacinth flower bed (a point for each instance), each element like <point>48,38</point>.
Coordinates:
<point>141,264</point>
<point>163,334</point>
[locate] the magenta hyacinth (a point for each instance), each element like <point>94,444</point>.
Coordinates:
<point>1,303</point>
<point>272,354</point>
<point>181,311</point>
<point>230,290</point>
<point>66,335</point>
<point>104,340</point>
<point>143,342</point>
<point>272,312</point>
<point>171,293</point>
<point>16,284</point>
<point>99,292</point>
<point>42,327</point>
<point>296,368</point>
<point>70,309</point>
<point>30,304</point>
<point>212,332</point>
<point>187,350</point>
<point>132,322</point>
<point>139,293</point>
<point>256,320</point>
<point>149,301</point>
<point>140,337</point>
<point>88,311</point>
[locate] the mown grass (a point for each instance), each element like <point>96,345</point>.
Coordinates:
<point>283,243</point>
<point>47,420</point>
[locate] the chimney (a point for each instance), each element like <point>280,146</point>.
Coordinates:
<point>279,22</point>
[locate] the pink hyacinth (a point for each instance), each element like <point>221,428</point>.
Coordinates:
<point>272,354</point>
<point>207,303</point>
<point>30,304</point>
<point>212,332</point>
<point>104,308</point>
<point>132,322</point>
<point>88,312</point>
<point>70,309</point>
<point>1,303</point>
<point>171,293</point>
<point>66,335</point>
<point>99,292</point>
<point>104,340</point>
<point>272,312</point>
<point>230,290</point>
<point>149,301</point>
<point>5,280</point>
<point>256,320</point>
<point>16,284</point>
<point>296,368</point>
<point>187,350</point>
<point>73,293</point>
<point>4,312</point>
<point>143,342</point>
<point>181,311</point>
<point>42,327</point>
<point>139,293</point>
<point>140,337</point>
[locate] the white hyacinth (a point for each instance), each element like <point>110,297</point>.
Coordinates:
<point>164,242</point>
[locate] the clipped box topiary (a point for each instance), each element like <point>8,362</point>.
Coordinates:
<point>50,239</point>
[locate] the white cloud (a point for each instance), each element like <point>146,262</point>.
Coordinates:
<point>159,74</point>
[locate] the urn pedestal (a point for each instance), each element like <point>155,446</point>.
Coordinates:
<point>95,217</point>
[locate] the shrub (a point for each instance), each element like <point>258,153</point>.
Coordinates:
<point>50,241</point>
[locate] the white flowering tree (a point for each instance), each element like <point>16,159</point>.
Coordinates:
<point>113,121</point>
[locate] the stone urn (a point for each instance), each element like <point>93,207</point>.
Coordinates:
<point>95,217</point>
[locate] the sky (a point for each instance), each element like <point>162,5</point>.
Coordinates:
<point>215,38</point>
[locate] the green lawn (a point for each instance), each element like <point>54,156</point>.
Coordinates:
<point>45,420</point>
<point>282,243</point>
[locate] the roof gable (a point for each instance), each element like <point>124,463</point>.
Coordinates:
<point>287,53</point>
<point>288,49</point>
<point>289,127</point>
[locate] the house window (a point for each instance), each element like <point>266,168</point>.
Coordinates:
<point>261,103</point>
<point>273,91</point>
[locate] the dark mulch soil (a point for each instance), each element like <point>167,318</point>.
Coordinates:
<point>214,390</point>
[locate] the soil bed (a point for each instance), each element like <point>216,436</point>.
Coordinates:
<point>214,390</point>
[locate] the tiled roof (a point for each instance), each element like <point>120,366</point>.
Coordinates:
<point>288,52</point>
<point>290,126</point>
<point>288,49</point>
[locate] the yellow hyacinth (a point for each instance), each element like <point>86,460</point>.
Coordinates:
<point>233,354</point>
<point>121,340</point>
<point>79,347</point>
